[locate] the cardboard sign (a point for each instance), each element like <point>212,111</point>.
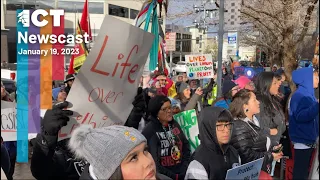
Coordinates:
<point>249,170</point>
<point>189,124</point>
<point>107,82</point>
<point>199,66</point>
<point>8,121</point>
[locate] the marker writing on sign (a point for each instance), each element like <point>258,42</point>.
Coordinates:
<point>133,69</point>
<point>98,93</point>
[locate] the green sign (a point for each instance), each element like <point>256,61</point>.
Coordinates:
<point>189,124</point>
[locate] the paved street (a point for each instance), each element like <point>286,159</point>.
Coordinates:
<point>22,171</point>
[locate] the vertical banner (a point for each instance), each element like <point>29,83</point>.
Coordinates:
<point>46,67</point>
<point>58,55</point>
<point>34,85</point>
<point>189,124</point>
<point>22,88</point>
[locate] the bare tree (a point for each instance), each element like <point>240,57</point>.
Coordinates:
<point>212,48</point>
<point>282,26</point>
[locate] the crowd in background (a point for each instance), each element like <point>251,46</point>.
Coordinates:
<point>259,118</point>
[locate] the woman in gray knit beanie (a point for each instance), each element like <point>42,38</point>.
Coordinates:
<point>113,152</point>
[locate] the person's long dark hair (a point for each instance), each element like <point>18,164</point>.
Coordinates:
<point>263,83</point>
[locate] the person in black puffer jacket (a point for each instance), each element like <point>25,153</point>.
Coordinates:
<point>247,137</point>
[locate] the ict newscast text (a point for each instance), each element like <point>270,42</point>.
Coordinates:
<point>24,37</point>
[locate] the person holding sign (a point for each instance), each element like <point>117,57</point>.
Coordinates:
<point>52,159</point>
<point>184,100</point>
<point>214,157</point>
<point>247,136</point>
<point>167,143</point>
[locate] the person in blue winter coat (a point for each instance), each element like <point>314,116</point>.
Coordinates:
<point>303,119</point>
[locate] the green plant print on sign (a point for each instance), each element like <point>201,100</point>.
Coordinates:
<point>189,124</point>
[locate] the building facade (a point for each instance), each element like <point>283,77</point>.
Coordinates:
<point>183,42</point>
<point>232,17</point>
<point>199,42</point>
<point>125,10</point>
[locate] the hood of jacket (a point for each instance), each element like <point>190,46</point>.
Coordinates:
<point>207,128</point>
<point>301,77</point>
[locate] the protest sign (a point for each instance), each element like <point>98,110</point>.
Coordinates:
<point>246,171</point>
<point>8,121</point>
<point>199,66</point>
<point>189,124</point>
<point>104,89</point>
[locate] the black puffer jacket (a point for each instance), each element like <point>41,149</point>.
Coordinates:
<point>251,142</point>
<point>52,160</point>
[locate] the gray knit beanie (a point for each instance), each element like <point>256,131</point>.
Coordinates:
<point>104,148</point>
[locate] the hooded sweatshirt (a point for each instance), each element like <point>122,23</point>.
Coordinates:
<point>210,161</point>
<point>304,109</point>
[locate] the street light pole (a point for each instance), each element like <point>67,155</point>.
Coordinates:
<point>220,47</point>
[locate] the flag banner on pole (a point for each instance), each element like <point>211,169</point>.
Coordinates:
<point>147,14</point>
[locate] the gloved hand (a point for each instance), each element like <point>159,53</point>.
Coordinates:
<point>139,102</point>
<point>56,118</point>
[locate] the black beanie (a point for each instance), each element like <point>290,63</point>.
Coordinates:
<point>156,103</point>
<point>227,86</point>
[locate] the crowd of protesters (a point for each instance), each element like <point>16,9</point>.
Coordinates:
<point>253,119</point>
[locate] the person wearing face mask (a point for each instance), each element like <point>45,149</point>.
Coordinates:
<point>303,120</point>
<point>247,136</point>
<point>214,157</point>
<point>167,143</point>
<point>113,152</point>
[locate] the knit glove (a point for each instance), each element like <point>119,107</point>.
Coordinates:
<point>139,102</point>
<point>55,118</point>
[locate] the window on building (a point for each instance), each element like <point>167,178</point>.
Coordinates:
<point>77,7</point>
<point>232,10</point>
<point>133,13</point>
<point>233,4</point>
<point>13,5</point>
<point>232,23</point>
<point>232,16</point>
<point>119,11</point>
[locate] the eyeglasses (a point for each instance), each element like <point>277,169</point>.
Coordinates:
<point>221,127</point>
<point>166,109</point>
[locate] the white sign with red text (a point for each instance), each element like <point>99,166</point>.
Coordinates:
<point>104,89</point>
<point>199,66</point>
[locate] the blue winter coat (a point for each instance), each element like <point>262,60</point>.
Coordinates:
<point>304,109</point>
